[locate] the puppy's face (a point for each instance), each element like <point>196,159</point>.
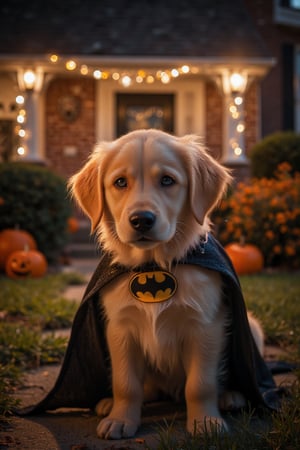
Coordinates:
<point>145,190</point>
<point>149,191</point>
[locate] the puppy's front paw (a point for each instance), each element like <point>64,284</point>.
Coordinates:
<point>113,428</point>
<point>231,400</point>
<point>104,407</point>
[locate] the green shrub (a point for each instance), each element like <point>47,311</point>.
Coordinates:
<point>35,199</point>
<point>273,150</point>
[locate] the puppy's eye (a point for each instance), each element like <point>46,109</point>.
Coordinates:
<point>166,180</point>
<point>121,183</point>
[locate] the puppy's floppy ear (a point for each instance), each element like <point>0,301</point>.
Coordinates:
<point>208,180</point>
<point>85,187</point>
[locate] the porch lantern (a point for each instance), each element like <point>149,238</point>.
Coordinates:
<point>233,86</point>
<point>30,80</point>
<point>233,83</point>
<point>30,84</point>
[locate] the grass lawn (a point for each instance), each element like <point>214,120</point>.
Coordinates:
<point>275,300</point>
<point>28,307</point>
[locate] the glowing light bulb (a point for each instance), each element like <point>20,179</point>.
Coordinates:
<point>71,65</point>
<point>20,119</point>
<point>237,82</point>
<point>142,73</point>
<point>29,78</point>
<point>240,128</point>
<point>97,74</point>
<point>238,151</point>
<point>126,80</point>
<point>165,78</point>
<point>53,58</point>
<point>20,99</point>
<point>84,70</point>
<point>150,79</point>
<point>238,100</point>
<point>185,69</point>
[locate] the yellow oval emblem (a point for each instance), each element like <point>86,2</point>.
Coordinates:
<point>153,287</point>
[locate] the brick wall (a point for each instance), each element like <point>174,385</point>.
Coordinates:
<point>252,116</point>
<point>68,143</point>
<point>214,119</point>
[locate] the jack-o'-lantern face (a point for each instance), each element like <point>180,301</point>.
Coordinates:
<point>22,264</point>
<point>12,240</point>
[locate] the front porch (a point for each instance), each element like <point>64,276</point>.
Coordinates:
<point>58,109</point>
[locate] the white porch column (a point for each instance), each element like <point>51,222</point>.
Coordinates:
<point>31,83</point>
<point>233,85</point>
<point>234,130</point>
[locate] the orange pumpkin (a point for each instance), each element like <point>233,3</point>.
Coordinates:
<point>73,225</point>
<point>26,263</point>
<point>246,258</point>
<point>14,239</point>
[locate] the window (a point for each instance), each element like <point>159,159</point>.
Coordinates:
<point>287,12</point>
<point>295,4</point>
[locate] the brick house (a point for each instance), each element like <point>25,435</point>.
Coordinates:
<point>278,22</point>
<point>106,67</point>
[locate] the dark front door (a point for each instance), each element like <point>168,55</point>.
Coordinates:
<point>137,111</point>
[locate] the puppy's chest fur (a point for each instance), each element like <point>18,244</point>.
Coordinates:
<point>162,330</point>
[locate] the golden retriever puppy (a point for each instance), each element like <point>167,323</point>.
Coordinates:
<point>148,195</point>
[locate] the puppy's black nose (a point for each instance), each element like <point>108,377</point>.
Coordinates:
<point>142,220</point>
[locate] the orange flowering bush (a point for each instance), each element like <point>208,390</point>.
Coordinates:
<point>265,212</point>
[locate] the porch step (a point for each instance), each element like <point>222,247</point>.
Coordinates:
<point>81,250</point>
<point>82,244</point>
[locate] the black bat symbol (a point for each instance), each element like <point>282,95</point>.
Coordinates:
<point>156,286</point>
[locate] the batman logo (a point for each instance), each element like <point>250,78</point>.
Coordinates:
<point>152,287</point>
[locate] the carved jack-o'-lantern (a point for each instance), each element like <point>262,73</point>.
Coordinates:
<point>12,240</point>
<point>26,263</point>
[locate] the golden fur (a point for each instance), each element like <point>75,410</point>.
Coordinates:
<point>148,195</point>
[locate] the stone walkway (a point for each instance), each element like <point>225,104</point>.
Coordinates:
<point>76,430</point>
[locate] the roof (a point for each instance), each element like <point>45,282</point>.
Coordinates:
<point>148,28</point>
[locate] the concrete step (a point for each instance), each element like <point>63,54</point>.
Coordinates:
<point>83,234</point>
<point>82,250</point>
<point>82,244</point>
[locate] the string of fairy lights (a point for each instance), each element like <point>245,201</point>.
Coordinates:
<point>236,111</point>
<point>126,77</point>
<point>20,127</point>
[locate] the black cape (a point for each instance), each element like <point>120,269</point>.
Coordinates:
<point>84,378</point>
